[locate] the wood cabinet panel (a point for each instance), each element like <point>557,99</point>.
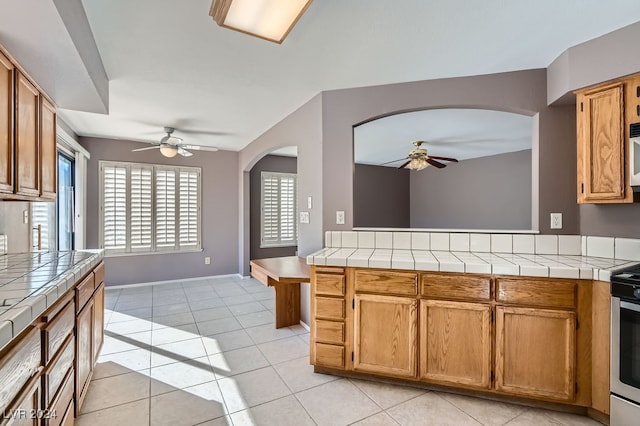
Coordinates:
<point>84,291</point>
<point>63,401</point>
<point>27,155</point>
<point>455,343</point>
<point>465,287</point>
<point>535,352</point>
<point>18,365</point>
<point>329,331</point>
<point>600,346</point>
<point>48,151</point>
<point>25,411</point>
<point>536,292</point>
<point>329,355</point>
<point>7,73</point>
<point>385,335</point>
<point>98,274</point>
<point>56,372</point>
<point>386,282</point>
<point>69,417</point>
<point>56,331</point>
<point>329,308</point>
<point>330,284</point>
<point>98,321</point>
<point>84,352</point>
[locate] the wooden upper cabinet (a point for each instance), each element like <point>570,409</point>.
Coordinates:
<point>48,151</point>
<point>604,113</point>
<point>27,153</point>
<point>536,352</point>
<point>6,124</point>
<point>455,343</point>
<point>385,331</point>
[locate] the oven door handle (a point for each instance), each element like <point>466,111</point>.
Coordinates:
<point>631,306</point>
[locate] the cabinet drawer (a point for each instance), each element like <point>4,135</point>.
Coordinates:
<point>55,333</point>
<point>63,401</point>
<point>98,274</point>
<point>534,292</point>
<point>329,355</point>
<point>84,290</point>
<point>23,412</point>
<point>332,285</point>
<point>329,331</point>
<point>455,286</point>
<point>329,308</point>
<point>329,269</point>
<point>387,282</point>
<point>19,365</point>
<point>57,370</point>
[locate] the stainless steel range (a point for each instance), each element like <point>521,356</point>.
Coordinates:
<point>625,347</point>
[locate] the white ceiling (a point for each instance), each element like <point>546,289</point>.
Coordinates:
<point>169,64</point>
<point>458,133</point>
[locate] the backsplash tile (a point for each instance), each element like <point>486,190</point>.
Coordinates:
<point>627,248</point>
<point>480,243</point>
<point>546,244</point>
<point>420,240</point>
<point>440,241</point>
<point>402,240</point>
<point>569,245</point>
<point>501,243</point>
<point>600,247</point>
<point>384,240</point>
<point>350,239</point>
<point>367,240</point>
<point>459,242</point>
<point>524,244</point>
<point>336,239</point>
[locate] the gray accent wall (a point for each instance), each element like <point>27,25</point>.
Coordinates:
<point>219,215</point>
<point>270,163</point>
<point>482,193</point>
<point>380,197</point>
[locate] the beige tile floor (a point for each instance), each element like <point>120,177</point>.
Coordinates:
<point>206,353</point>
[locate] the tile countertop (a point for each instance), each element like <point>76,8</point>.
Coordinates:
<point>31,282</point>
<point>533,265</point>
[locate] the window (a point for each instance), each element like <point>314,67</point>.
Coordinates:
<point>278,210</point>
<point>148,208</point>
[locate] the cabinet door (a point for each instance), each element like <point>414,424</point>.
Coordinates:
<point>535,352</point>
<point>48,151</point>
<point>385,331</point>
<point>27,153</point>
<point>6,124</point>
<point>98,322</point>
<point>455,343</point>
<point>601,156</point>
<point>84,351</point>
<point>24,413</point>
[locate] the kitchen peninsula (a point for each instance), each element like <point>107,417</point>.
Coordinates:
<point>522,317</point>
<point>51,331</point>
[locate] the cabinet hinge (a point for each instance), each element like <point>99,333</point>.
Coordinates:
<point>581,106</point>
<point>352,356</point>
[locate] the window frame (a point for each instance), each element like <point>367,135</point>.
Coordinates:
<point>153,249</point>
<point>279,242</point>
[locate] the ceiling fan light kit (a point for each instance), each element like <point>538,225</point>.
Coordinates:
<point>168,150</point>
<point>268,19</point>
<point>170,145</point>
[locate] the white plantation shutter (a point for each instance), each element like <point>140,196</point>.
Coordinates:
<point>189,208</point>
<point>149,208</point>
<point>278,210</point>
<point>114,207</point>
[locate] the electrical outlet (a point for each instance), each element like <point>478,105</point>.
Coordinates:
<point>340,217</point>
<point>207,260</point>
<point>556,220</point>
<point>304,217</point>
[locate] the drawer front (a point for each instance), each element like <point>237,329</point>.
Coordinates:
<point>455,286</point>
<point>64,400</point>
<point>57,371</point>
<point>57,330</point>
<point>332,285</point>
<point>329,331</point>
<point>84,290</point>
<point>98,273</point>
<point>533,292</point>
<point>387,282</point>
<point>18,365</point>
<point>329,308</point>
<point>329,355</point>
<point>259,275</point>
<point>328,269</point>
<point>24,412</point>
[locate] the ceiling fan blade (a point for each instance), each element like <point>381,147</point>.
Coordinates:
<point>200,147</point>
<point>404,164</point>
<point>144,149</point>
<point>435,163</point>
<point>184,152</point>
<point>394,161</point>
<point>443,158</point>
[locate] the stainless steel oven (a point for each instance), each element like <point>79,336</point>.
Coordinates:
<point>625,347</point>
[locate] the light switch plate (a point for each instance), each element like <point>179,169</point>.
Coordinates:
<point>304,217</point>
<point>340,217</point>
<point>309,204</point>
<point>556,220</point>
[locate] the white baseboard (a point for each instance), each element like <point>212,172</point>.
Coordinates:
<point>121,286</point>
<point>305,326</point>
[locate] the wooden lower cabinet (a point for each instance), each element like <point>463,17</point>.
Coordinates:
<point>536,352</point>
<point>98,321</point>
<point>84,351</point>
<point>385,331</point>
<point>25,412</point>
<point>455,343</point>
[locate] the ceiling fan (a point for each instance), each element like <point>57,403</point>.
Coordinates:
<point>171,145</point>
<point>418,159</point>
